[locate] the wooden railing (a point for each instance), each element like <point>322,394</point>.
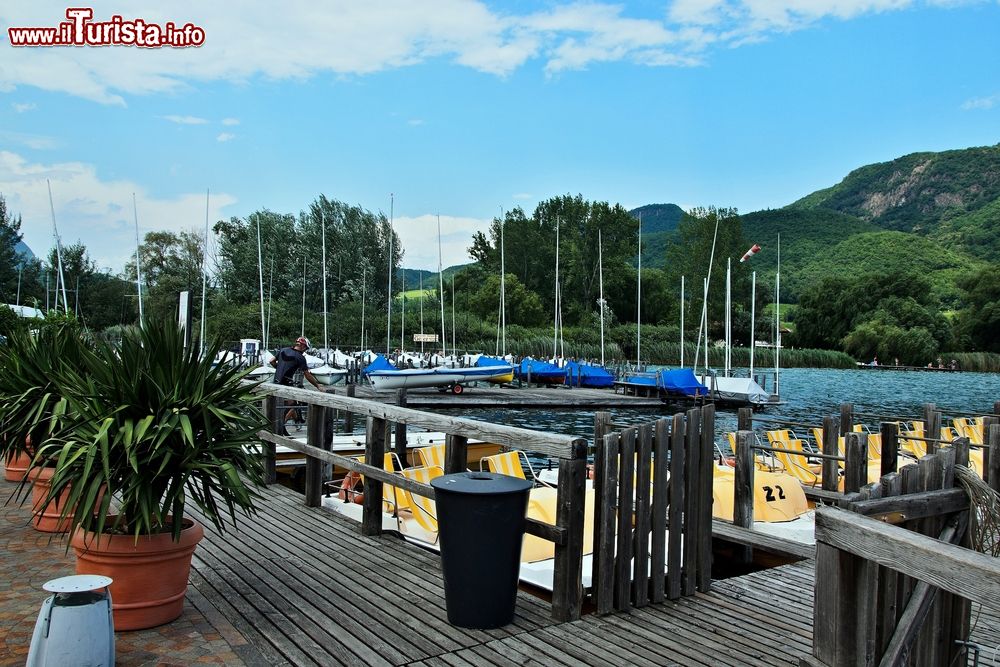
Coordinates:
<point>900,594</point>
<point>566,534</point>
<point>653,496</point>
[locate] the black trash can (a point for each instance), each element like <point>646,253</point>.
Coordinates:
<point>481,518</point>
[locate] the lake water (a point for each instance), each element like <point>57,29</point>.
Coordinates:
<point>810,395</point>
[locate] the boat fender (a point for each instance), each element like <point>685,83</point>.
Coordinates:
<point>347,492</point>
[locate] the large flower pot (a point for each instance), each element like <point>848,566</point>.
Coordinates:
<point>15,466</point>
<point>46,519</point>
<point>150,576</point>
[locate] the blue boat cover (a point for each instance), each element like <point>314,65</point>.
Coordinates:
<point>380,364</point>
<point>586,375</point>
<point>483,360</point>
<point>681,381</point>
<point>539,369</point>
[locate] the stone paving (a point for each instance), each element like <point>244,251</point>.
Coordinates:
<point>28,558</point>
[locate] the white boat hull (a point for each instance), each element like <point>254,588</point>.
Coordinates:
<point>412,378</point>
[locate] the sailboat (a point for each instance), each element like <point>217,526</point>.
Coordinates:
<point>582,374</point>
<point>536,370</point>
<point>324,373</point>
<point>386,377</point>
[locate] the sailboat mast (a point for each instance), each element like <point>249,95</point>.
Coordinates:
<point>638,304</point>
<point>600,278</point>
<point>703,325</point>
<point>138,268</point>
<point>55,231</point>
<point>729,315</point>
<point>777,318</point>
<point>302,332</point>
<point>402,312</point>
<point>454,349</point>
<point>204,274</point>
<point>682,321</point>
<point>364,282</point>
<point>388,312</point>
<point>753,316</point>
<point>555,314</point>
<point>260,276</point>
<point>421,313</point>
<point>444,344</point>
<point>503,289</point>
<point>326,340</point>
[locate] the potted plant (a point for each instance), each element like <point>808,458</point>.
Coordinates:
<point>149,427</point>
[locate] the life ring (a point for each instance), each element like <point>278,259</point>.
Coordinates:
<point>347,492</point>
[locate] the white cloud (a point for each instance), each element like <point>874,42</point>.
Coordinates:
<point>37,142</point>
<point>522,196</point>
<point>419,237</point>
<point>96,212</point>
<point>230,121</point>
<point>415,122</point>
<point>225,136</point>
<point>981,103</point>
<point>23,107</point>
<point>185,120</point>
<point>349,38</point>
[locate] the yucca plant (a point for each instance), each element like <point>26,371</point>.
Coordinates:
<point>149,426</point>
<point>29,393</point>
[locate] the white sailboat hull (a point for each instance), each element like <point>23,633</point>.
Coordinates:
<point>412,378</point>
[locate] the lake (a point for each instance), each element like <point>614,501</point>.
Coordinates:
<point>810,395</point>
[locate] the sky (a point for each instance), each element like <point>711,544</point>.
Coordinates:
<point>464,108</point>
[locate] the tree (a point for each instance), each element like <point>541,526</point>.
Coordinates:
<point>691,255</point>
<point>979,321</point>
<point>10,261</point>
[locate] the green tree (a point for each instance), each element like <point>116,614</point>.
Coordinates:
<point>979,322</point>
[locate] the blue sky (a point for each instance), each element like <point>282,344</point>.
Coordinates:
<point>461,108</point>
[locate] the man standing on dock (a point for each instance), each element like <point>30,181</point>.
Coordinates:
<point>288,364</point>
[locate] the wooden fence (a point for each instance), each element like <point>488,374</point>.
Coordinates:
<point>567,533</point>
<point>894,576</point>
<point>653,495</point>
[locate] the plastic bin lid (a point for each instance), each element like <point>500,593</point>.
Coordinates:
<point>77,583</point>
<point>487,483</point>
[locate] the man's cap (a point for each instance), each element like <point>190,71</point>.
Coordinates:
<point>302,340</point>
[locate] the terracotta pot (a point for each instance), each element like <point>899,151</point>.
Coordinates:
<point>15,466</point>
<point>150,576</point>
<point>47,519</point>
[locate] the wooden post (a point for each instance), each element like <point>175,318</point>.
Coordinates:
<point>602,427</point>
<point>658,525</point>
<point>692,511</point>
<point>348,415</point>
<point>400,444</point>
<point>831,445</point>
<point>675,510</point>
<point>315,423</point>
<point>993,443</point>
<point>743,490</point>
<point>371,517</point>
<point>623,546</point>
<point>705,498</point>
<point>744,419</point>
<point>856,466</point>
<point>605,515</point>
<point>567,583</point>
<point>456,453</point>
<point>932,426</point>
<point>846,418</point>
<point>987,450</point>
<point>271,408</point>
<point>640,542</point>
<point>890,447</point>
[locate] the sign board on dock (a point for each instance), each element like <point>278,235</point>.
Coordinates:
<point>425,338</point>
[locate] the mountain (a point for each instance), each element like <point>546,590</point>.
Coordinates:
<point>658,218</point>
<point>951,197</point>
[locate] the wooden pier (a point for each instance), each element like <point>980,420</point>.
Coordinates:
<point>485,395</point>
<point>299,585</point>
